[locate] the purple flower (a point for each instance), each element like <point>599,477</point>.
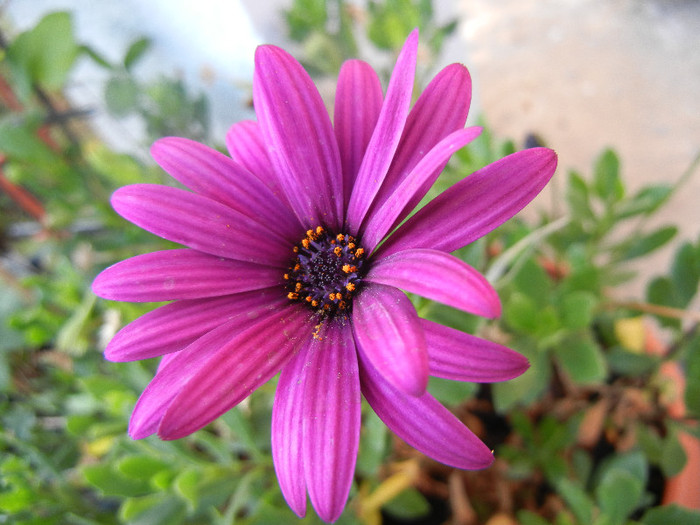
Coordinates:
<point>290,267</point>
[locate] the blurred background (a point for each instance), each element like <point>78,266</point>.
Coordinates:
<point>598,277</point>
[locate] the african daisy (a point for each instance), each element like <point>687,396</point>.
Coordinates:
<point>297,252</point>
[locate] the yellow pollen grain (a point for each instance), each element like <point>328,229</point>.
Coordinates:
<point>319,230</point>
<point>314,303</point>
<point>286,276</point>
<point>331,296</point>
<point>341,305</point>
<point>351,246</point>
<point>310,234</point>
<point>346,268</point>
<point>295,249</point>
<point>338,251</point>
<point>350,287</point>
<point>297,287</point>
<point>340,237</point>
<point>305,243</point>
<point>308,298</point>
<point>359,252</point>
<point>292,295</point>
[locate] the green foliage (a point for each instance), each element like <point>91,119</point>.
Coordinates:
<point>561,430</point>
<point>329,30</point>
<point>33,63</point>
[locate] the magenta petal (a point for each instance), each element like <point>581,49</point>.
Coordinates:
<point>408,193</point>
<point>300,138</point>
<point>388,333</point>
<point>200,223</point>
<point>288,433</point>
<point>246,146</point>
<point>386,136</point>
<point>172,327</point>
<point>477,204</point>
<point>423,423</point>
<point>358,101</point>
<point>214,175</point>
<point>332,405</point>
<point>441,109</point>
<point>235,369</point>
<point>177,369</point>
<point>438,276</point>
<point>181,274</point>
<point>173,373</point>
<point>452,354</point>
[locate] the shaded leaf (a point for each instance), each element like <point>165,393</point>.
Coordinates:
<point>136,51</point>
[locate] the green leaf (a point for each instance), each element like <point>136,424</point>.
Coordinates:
<point>672,513</point>
<point>578,197</point>
<point>111,482</point>
<point>155,509</point>
<point>372,445</point>
<point>692,367</point>
<point>685,272</point>
<point>646,201</point>
<point>646,244</point>
<point>523,314</point>
<point>141,466</point>
<point>577,309</point>
<point>526,388</point>
<point>135,52</point>
<point>583,360</point>
<point>624,362</point>
<point>95,56</point>
<point>619,494</point>
<point>526,517</point>
<point>304,17</point>
<point>576,498</point>
<point>42,64</point>
<point>121,96</point>
<point>408,505</point>
<point>18,140</point>
<point>606,179</point>
<point>451,392</point>
<point>532,281</point>
<point>673,457</point>
<point>662,291</point>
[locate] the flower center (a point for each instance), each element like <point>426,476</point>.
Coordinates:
<point>325,272</point>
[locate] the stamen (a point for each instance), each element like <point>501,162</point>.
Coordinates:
<point>325,272</point>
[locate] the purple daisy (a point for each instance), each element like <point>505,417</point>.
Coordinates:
<point>297,252</point>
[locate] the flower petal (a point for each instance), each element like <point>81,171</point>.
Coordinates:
<point>200,223</point>
<point>438,276</point>
<point>246,146</point>
<point>386,135</point>
<point>177,369</point>
<point>172,327</point>
<point>441,109</point>
<point>287,431</point>
<point>235,369</point>
<point>331,419</point>
<point>408,193</point>
<point>358,101</point>
<point>452,354</point>
<point>181,274</point>
<point>214,175</point>
<point>423,423</point>
<point>477,204</point>
<point>388,333</point>
<point>300,138</point>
